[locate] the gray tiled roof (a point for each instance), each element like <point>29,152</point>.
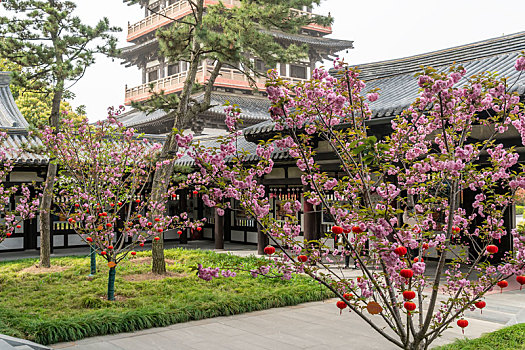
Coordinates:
<point>334,44</point>
<point>398,85</point>
<point>10,116</point>
<point>19,140</point>
<point>253,109</point>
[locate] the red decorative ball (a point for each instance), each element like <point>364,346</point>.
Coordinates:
<point>347,230</point>
<point>492,249</point>
<point>409,294</point>
<point>103,253</point>
<point>133,253</point>
<point>110,247</point>
<point>462,323</point>
<point>141,244</point>
<point>410,306</point>
<point>195,192</point>
<point>341,304</point>
<point>137,201</point>
<point>119,203</point>
<point>157,219</point>
<point>269,250</point>
<point>156,238</point>
<point>480,304</point>
<point>111,204</point>
<point>89,239</point>
<point>199,228</point>
<point>179,232</point>
<point>18,226</point>
<point>109,224</point>
<point>337,230</point>
<point>455,230</point>
<point>347,296</point>
<point>356,229</point>
<point>150,224</point>
<point>400,250</point>
<point>77,205</point>
<point>302,258</point>
<point>425,246</point>
<point>520,279</point>
<point>417,259</point>
<point>406,273</point>
<point>8,234</point>
<point>160,230</point>
<point>139,216</point>
<point>503,284</point>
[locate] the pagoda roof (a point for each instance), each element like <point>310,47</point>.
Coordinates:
<point>254,109</point>
<point>10,116</point>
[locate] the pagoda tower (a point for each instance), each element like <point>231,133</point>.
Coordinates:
<point>232,85</point>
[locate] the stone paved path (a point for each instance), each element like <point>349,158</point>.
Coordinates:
<point>315,325</point>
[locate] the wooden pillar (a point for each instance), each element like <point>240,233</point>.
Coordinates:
<point>310,231</point>
<point>219,231</point>
<point>183,203</point>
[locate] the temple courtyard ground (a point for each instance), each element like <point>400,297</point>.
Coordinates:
<point>316,325</point>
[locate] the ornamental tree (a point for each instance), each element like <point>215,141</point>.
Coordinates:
<point>396,200</point>
<point>17,202</point>
<point>53,48</point>
<point>102,188</point>
<point>229,37</point>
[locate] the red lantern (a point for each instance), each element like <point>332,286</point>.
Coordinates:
<point>157,219</point>
<point>119,203</point>
<point>18,226</point>
<point>503,284</point>
<point>199,228</point>
<point>139,216</point>
<point>417,259</point>
<point>89,239</point>
<point>179,232</point>
<point>137,201</point>
<point>150,224</point>
<point>8,234</point>
<point>156,238</point>
<point>406,273</point>
<point>160,230</point>
<point>347,296</point>
<point>400,250</point>
<point>302,258</point>
<point>462,323</point>
<point>195,192</point>
<point>103,253</point>
<point>269,250</point>
<point>337,230</point>
<point>410,306</point>
<point>520,280</point>
<point>409,294</point>
<point>492,249</point>
<point>141,244</point>
<point>347,230</point>
<point>356,229</point>
<point>341,305</point>
<point>480,305</point>
<point>111,205</point>
<point>77,205</point>
<point>110,247</point>
<point>133,253</point>
<point>455,230</point>
<point>425,246</point>
<point>109,224</point>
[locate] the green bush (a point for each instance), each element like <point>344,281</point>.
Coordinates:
<point>520,209</point>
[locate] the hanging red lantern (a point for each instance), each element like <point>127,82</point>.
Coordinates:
<point>337,230</point>
<point>110,247</point>
<point>141,244</point>
<point>133,253</point>
<point>520,280</point>
<point>103,253</point>
<point>462,323</point>
<point>341,305</point>
<point>195,192</point>
<point>480,305</point>
<point>156,238</point>
<point>492,249</point>
<point>347,296</point>
<point>269,250</point>
<point>8,234</point>
<point>199,228</point>
<point>410,306</point>
<point>417,259</point>
<point>302,258</point>
<point>425,246</point>
<point>348,230</point>
<point>179,232</point>
<point>406,273</point>
<point>356,229</point>
<point>409,294</point>
<point>455,230</point>
<point>503,284</point>
<point>89,239</point>
<point>18,226</point>
<point>400,250</point>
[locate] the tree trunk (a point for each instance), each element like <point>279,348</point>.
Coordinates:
<point>47,196</point>
<point>159,187</point>
<point>219,231</point>
<point>93,264</point>
<point>111,283</point>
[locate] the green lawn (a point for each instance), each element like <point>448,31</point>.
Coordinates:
<point>66,305</point>
<point>509,338</point>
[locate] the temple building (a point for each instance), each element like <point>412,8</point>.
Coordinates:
<point>232,85</point>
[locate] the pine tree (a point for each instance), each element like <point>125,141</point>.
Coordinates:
<point>54,48</point>
<point>230,37</point>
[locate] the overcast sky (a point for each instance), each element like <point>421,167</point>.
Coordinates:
<point>380,29</point>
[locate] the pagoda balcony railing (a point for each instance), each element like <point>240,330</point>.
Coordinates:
<point>182,8</point>
<point>228,78</point>
<point>166,15</point>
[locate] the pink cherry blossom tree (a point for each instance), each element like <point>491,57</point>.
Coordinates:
<point>17,202</point>
<point>102,188</point>
<point>395,201</point>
